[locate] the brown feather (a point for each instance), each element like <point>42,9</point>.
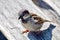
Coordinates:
<point>40,20</point>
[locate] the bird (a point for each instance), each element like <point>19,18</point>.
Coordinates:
<point>31,21</point>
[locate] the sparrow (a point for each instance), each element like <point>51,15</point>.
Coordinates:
<point>31,21</point>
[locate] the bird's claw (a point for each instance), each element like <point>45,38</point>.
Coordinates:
<point>25,31</point>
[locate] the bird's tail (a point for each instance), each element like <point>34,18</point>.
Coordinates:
<point>47,21</point>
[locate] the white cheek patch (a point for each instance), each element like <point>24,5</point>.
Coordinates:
<point>26,16</point>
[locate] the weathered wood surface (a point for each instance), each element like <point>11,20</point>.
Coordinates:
<point>12,27</point>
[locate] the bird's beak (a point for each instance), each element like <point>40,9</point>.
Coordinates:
<point>19,18</point>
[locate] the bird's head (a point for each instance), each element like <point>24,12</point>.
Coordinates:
<point>24,16</point>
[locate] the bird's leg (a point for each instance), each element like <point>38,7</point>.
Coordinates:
<point>25,31</point>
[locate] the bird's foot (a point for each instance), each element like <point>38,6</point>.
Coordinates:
<point>25,31</point>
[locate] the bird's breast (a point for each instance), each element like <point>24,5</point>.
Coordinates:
<point>32,26</point>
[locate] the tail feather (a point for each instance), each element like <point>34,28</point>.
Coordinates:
<point>47,21</point>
